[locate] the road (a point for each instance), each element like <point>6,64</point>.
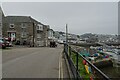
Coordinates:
<point>31,62</point>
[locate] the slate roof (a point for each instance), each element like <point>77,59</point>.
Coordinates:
<point>1,12</point>
<point>14,19</point>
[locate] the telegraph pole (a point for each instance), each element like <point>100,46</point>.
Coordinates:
<point>67,39</point>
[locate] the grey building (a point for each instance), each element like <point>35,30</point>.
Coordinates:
<point>56,34</point>
<point>1,20</point>
<point>25,29</point>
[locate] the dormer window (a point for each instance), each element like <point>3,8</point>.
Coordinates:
<point>40,27</point>
<point>12,26</point>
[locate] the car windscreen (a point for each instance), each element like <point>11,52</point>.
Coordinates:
<point>1,41</point>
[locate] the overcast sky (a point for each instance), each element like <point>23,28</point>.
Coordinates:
<point>81,17</point>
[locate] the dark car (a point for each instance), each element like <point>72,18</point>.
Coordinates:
<point>53,44</point>
<point>2,44</point>
<point>17,42</point>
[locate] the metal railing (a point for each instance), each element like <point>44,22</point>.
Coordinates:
<point>75,68</point>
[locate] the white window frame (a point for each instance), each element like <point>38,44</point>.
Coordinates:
<point>12,25</point>
<point>39,27</point>
<point>23,25</point>
<point>39,36</point>
<point>38,39</point>
<point>23,34</point>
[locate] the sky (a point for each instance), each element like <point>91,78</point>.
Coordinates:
<point>81,17</point>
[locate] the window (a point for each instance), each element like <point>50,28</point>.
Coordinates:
<point>23,25</point>
<point>23,30</point>
<point>12,25</point>
<point>0,24</point>
<point>39,27</point>
<point>39,36</point>
<point>23,34</point>
<point>38,39</point>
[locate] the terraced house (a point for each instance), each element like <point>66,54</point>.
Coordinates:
<point>1,20</point>
<point>25,30</point>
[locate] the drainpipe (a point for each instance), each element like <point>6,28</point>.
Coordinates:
<point>33,33</point>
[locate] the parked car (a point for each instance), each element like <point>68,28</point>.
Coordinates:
<point>60,41</point>
<point>8,44</point>
<point>17,42</point>
<point>53,44</point>
<point>2,44</point>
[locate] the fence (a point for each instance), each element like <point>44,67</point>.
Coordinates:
<point>78,69</point>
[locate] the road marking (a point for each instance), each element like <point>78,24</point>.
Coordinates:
<point>60,68</point>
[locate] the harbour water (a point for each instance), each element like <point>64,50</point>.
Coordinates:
<point>112,72</point>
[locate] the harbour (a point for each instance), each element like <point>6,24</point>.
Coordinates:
<point>106,58</point>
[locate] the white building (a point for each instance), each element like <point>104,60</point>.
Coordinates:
<point>40,38</point>
<point>50,34</point>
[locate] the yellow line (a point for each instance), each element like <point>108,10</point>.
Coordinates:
<point>59,69</point>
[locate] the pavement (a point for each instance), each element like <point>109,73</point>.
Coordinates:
<point>42,62</point>
<point>0,63</point>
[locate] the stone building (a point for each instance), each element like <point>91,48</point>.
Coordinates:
<point>26,30</point>
<point>46,28</point>
<point>1,20</point>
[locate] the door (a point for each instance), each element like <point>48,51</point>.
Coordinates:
<point>12,35</point>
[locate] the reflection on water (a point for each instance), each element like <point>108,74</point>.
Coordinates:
<point>112,72</point>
